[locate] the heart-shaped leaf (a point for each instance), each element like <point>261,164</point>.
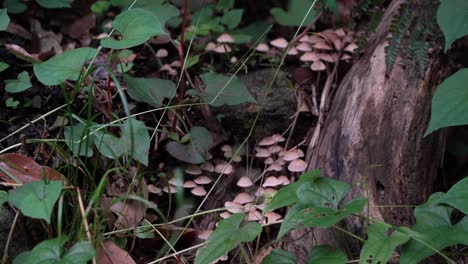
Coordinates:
<point>62,67</point>
<point>194,152</point>
<point>79,139</point>
<point>297,10</point>
<point>278,256</point>
<point>326,254</point>
<point>109,145</point>
<point>136,140</point>
<point>19,85</point>
<point>14,6</point>
<point>452,17</point>
<point>135,26</point>
<point>221,90</point>
<point>16,168</point>
<point>150,90</point>
<point>160,8</point>
<point>379,245</point>
<point>322,191</point>
<point>457,196</point>
<point>449,105</point>
<point>3,66</point>
<point>36,199</point>
<point>226,237</point>
<point>4,19</point>
<point>54,3</point>
<point>232,18</point>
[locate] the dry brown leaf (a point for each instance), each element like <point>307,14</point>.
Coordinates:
<point>262,254</point>
<point>81,27</point>
<point>48,40</point>
<point>110,253</point>
<point>21,53</point>
<point>25,169</point>
<point>18,30</point>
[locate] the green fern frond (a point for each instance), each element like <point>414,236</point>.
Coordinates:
<point>398,29</point>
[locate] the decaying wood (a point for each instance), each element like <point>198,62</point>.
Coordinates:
<point>373,139</point>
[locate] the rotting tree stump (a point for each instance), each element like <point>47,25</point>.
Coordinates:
<point>372,138</point>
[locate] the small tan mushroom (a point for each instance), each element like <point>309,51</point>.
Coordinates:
<point>244,182</point>
<point>153,189</point>
<point>314,39</point>
<point>271,182</point>
<point>340,32</point>
<point>193,170</point>
<point>225,38</point>
<point>322,46</point>
<point>262,47</point>
<point>243,198</point>
<point>297,166</point>
<point>237,158</point>
<point>351,47</point>
<point>271,217</point>
<point>304,38</point>
<point>169,189</point>
<point>269,161</point>
<point>205,234</point>
<point>222,48</point>
<point>279,43</point>
<point>275,167</point>
<point>210,46</point>
<point>254,215</point>
<point>290,155</point>
<point>225,215</point>
<point>293,51</point>
<point>202,180</point>
<point>233,59</point>
<point>228,154</point>
<point>175,64</point>
<point>207,166</point>
<point>234,207</point>
<point>284,180</point>
<point>226,148</point>
<point>262,153</point>
<point>224,168</point>
<point>190,184</point>
<point>176,182</point>
<point>278,138</point>
<point>274,149</point>
<point>162,53</point>
<point>326,57</point>
<point>268,141</point>
<point>309,56</point>
<point>198,191</point>
<point>303,47</point>
<point>318,66</point>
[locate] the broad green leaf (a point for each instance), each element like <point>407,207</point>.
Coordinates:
<point>297,10</point>
<point>3,198</point>
<point>10,102</point>
<point>136,140</point>
<point>251,33</point>
<point>379,246</point>
<point>109,145</point>
<point>287,195</point>
<point>79,139</point>
<point>457,196</point>
<point>3,66</point>
<point>195,151</point>
<point>224,5</point>
<point>326,254</point>
<point>227,236</point>
<point>452,17</point>
<point>449,103</point>
<point>232,18</point>
<point>433,227</point>
<point>150,90</point>
<point>4,19</point>
<point>54,3</point>
<point>62,67</point>
<point>278,256</point>
<point>221,90</point>
<point>160,8</point>
<point>296,215</point>
<point>14,6</point>
<point>332,5</point>
<point>322,191</point>
<point>36,199</point>
<point>81,252</point>
<point>135,26</point>
<point>19,85</point>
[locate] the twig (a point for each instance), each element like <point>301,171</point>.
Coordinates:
<point>85,221</point>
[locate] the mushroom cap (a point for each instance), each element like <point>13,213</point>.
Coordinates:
<point>193,170</point>
<point>269,161</point>
<point>210,46</point>
<point>234,207</point>
<point>284,180</point>
<point>293,51</point>
<point>297,165</point>
<point>154,189</point>
<point>275,167</point>
<point>225,215</point>
<point>303,47</point>
<point>275,149</point>
<point>243,198</point>
<point>309,56</point>
<point>351,47</point>
<point>225,38</point>
<point>226,148</point>
<point>190,184</point>
<point>262,153</point>
<point>169,189</point>
<point>205,234</point>
<point>175,64</point>
<point>228,154</point>
<point>162,53</point>
<point>290,155</point>
<point>279,43</point>
<point>222,48</point>
<point>278,138</point>
<point>198,191</point>
<point>224,168</point>
<point>176,181</point>
<point>326,57</point>
<point>313,39</point>
<point>233,59</point>
<point>262,47</point>
<point>318,66</point>
<point>207,166</point>
<point>272,217</point>
<point>322,45</point>
<point>254,215</point>
<point>304,38</point>
<point>244,182</point>
<point>340,32</point>
<point>268,141</point>
<point>202,180</point>
<point>237,158</point>
<point>271,181</point>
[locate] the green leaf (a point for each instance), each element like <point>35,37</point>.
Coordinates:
<point>226,237</point>
<point>221,90</point>
<point>322,191</point>
<point>452,17</point>
<point>54,3</point>
<point>457,196</point>
<point>449,103</point>
<point>433,227</point>
<point>109,145</point>
<point>81,252</point>
<point>160,8</point>
<point>232,18</point>
<point>150,90</point>
<point>194,152</point>
<point>287,195</point>
<point>79,139</point>
<point>3,198</point>
<point>326,254</point>
<point>4,19</point>
<point>331,4</point>
<point>224,5</point>
<point>19,85</point>
<point>14,6</point>
<point>136,140</point>
<point>297,10</point>
<point>36,199</point>
<point>278,256</point>
<point>135,26</point>
<point>379,247</point>
<point>3,66</point>
<point>10,102</point>
<point>62,67</point>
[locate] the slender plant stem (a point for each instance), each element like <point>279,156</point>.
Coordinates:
<point>10,235</point>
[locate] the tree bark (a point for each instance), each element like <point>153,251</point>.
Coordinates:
<point>373,139</point>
